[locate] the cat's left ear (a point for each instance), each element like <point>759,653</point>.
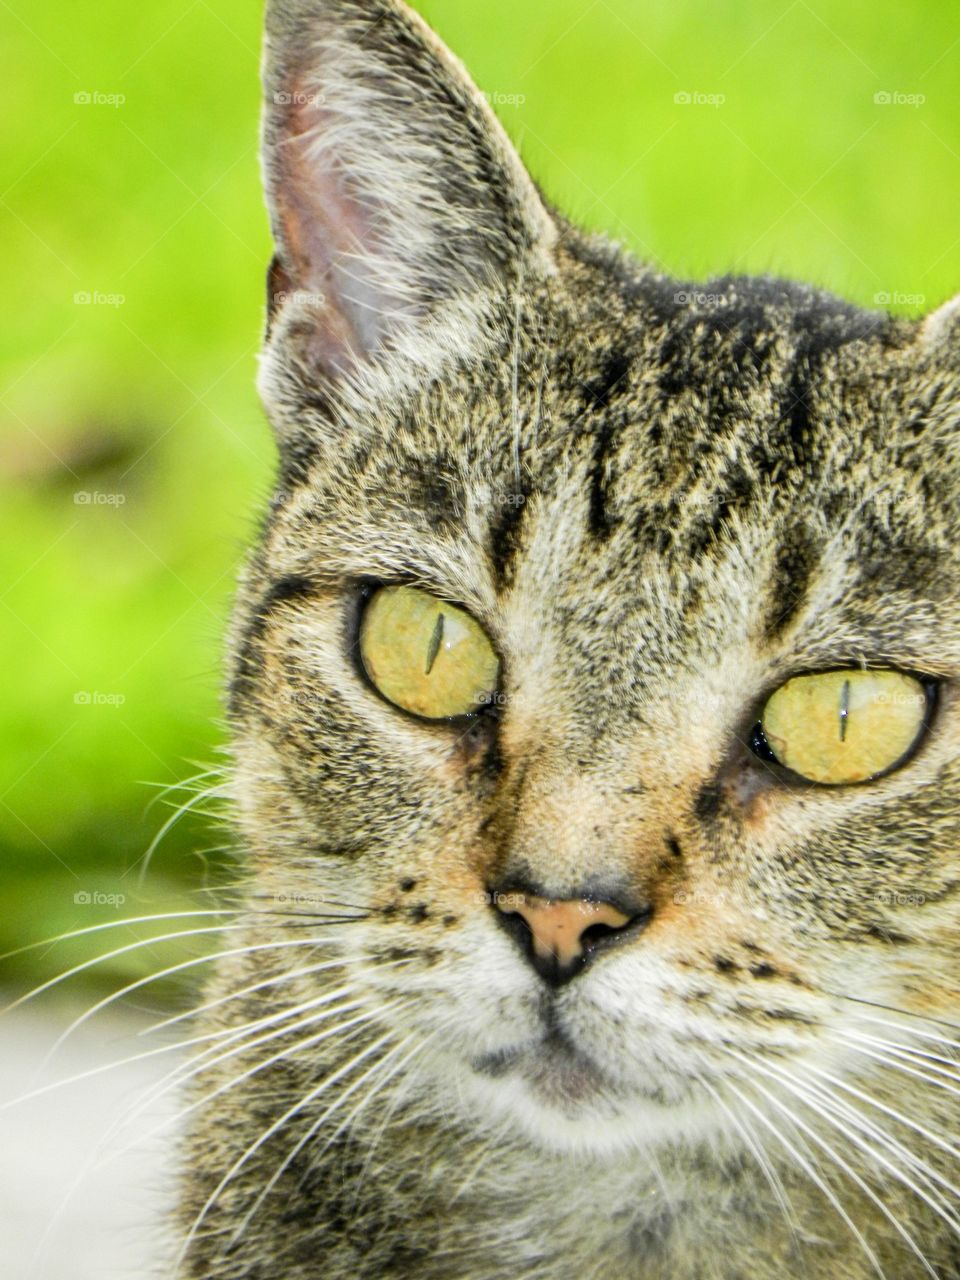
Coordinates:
<point>392,187</point>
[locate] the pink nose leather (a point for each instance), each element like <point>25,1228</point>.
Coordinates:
<point>557,928</point>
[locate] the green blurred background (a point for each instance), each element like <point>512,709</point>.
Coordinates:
<point>811,140</point>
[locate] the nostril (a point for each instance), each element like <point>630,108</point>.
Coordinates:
<point>599,936</point>
<point>559,936</point>
<point>596,933</point>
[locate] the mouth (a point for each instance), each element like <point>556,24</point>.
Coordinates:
<point>555,1069</point>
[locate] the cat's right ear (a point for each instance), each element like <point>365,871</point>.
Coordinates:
<point>394,193</point>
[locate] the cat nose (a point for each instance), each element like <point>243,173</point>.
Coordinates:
<point>559,937</point>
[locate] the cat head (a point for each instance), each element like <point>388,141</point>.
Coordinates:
<point>592,886</point>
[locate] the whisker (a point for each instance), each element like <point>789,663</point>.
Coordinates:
<point>818,1181</point>
<point>833,1109</point>
<point>155,938</point>
<point>234,1034</point>
<point>773,1179</point>
<point>265,1136</point>
<point>307,1042</point>
<point>199,1010</point>
<point>911,1031</point>
<point>93,1164</point>
<point>949,1148</point>
<point>399,1096</point>
<point>925,1057</point>
<point>889,1008</point>
<point>312,1130</point>
<point>899,1065</point>
<point>120,951</point>
<point>164,789</point>
<point>114,924</point>
<point>181,967</point>
<point>320,898</point>
<point>149,1053</point>
<point>839,1161</point>
<point>180,812</point>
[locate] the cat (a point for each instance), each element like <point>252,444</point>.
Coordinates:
<point>595,738</point>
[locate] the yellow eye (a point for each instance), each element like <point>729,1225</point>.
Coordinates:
<point>426,656</point>
<point>845,726</point>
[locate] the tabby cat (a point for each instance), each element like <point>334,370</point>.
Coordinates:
<point>596,739</point>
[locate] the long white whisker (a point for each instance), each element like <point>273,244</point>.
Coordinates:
<point>181,967</point>
<point>756,1149</point>
<point>93,1164</point>
<point>839,1161</point>
<point>179,813</point>
<point>120,951</point>
<point>832,1110</point>
<point>889,1008</point>
<point>898,1065</point>
<point>818,1181</point>
<point>921,1057</point>
<point>909,1030</point>
<point>238,1164</point>
<point>307,1042</point>
<point>115,924</point>
<point>312,1130</point>
<point>199,1010</point>
<point>185,1072</point>
<point>948,1147</point>
<point>149,1053</point>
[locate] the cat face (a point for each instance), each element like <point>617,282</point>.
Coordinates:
<point>598,896</point>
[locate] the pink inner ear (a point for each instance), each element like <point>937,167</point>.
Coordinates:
<point>328,239</point>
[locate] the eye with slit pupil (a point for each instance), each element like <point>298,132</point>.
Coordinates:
<point>837,728</point>
<point>426,656</point>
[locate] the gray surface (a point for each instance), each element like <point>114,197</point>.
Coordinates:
<point>73,1205</point>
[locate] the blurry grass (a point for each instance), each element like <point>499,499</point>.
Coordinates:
<point>799,171</point>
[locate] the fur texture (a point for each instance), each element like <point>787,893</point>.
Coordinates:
<point>661,500</point>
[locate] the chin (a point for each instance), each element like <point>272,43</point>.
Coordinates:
<point>554,1096</point>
